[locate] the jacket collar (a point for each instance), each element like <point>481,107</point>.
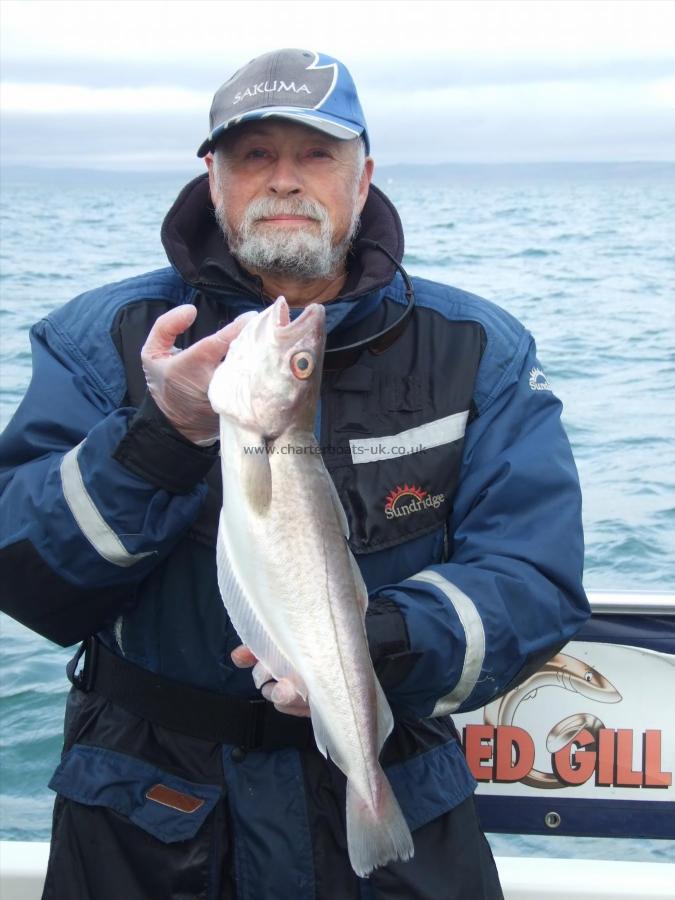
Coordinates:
<point>196,249</point>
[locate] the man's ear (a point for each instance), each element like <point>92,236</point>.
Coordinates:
<point>211,166</point>
<point>364,184</point>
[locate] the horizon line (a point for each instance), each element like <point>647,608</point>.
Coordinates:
<point>145,170</point>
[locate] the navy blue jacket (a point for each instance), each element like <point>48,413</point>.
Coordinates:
<point>456,476</point>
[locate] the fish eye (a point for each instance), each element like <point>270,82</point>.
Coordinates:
<point>588,676</point>
<point>302,364</point>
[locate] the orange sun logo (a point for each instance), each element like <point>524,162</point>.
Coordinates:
<point>408,490</point>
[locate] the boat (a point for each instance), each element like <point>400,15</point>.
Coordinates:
<point>585,746</point>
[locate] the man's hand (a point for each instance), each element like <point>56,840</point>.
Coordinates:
<point>179,379</point>
<point>281,693</point>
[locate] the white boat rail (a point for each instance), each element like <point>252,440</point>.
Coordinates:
<point>632,603</point>
<point>23,866</point>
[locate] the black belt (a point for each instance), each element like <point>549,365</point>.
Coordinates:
<point>223,718</point>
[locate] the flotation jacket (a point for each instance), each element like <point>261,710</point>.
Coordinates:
<point>463,502</point>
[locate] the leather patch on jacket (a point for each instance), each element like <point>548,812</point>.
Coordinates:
<point>167,796</point>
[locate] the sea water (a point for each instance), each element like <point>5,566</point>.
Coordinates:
<point>583,255</point>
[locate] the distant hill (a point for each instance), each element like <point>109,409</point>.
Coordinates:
<point>384,174</point>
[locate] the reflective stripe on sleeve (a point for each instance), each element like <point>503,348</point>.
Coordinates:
<point>92,524</point>
<point>413,440</point>
<point>475,641</point>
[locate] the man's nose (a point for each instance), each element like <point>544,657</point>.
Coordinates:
<point>285,179</point>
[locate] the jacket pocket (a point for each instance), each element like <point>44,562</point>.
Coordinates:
<point>431,783</point>
<point>167,807</point>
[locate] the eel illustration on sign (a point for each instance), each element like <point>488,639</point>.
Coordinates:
<point>571,674</point>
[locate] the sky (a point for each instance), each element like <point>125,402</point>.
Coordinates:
<point>98,84</point>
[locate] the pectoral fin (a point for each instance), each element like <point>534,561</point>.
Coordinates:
<point>256,477</point>
<point>244,617</point>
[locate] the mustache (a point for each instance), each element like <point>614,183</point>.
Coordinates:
<point>267,207</point>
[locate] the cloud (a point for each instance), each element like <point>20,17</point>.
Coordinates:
<point>467,132</point>
<point>52,99</point>
<point>140,141</point>
<point>396,74</point>
<point>231,32</point>
<point>438,81</point>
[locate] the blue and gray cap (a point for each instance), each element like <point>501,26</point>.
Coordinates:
<point>299,85</point>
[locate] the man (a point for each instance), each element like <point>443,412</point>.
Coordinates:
<point>178,779</point>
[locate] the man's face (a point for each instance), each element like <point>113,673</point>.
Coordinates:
<point>288,197</point>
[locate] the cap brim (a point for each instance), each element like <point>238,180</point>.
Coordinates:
<point>344,131</point>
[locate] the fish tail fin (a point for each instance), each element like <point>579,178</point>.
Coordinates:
<point>376,836</point>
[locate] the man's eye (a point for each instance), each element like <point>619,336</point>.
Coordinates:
<point>319,154</point>
<point>256,153</point>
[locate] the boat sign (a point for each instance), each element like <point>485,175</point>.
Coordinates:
<point>586,745</point>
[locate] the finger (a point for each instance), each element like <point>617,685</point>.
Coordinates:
<point>301,710</point>
<point>284,693</point>
<point>243,658</point>
<point>166,329</point>
<point>261,675</point>
<point>212,349</point>
<point>243,319</point>
<point>296,706</point>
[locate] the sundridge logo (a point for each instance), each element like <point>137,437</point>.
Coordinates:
<point>538,381</point>
<point>409,499</point>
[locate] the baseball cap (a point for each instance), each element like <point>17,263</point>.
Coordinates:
<point>301,85</point>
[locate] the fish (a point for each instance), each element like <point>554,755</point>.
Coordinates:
<point>562,671</point>
<point>287,577</point>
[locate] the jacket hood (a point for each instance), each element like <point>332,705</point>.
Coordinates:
<point>197,250</point>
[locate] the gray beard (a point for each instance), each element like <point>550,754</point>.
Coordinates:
<point>301,253</point>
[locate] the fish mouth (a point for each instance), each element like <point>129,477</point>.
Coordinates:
<point>313,316</point>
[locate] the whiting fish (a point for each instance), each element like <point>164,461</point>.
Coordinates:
<point>287,577</point>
